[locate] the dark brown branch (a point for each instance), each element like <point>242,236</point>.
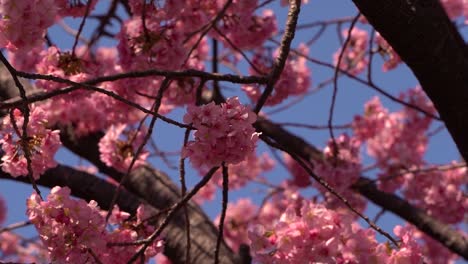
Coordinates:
<point>438,231</point>
<point>278,66</point>
<point>427,41</point>
<point>159,191</point>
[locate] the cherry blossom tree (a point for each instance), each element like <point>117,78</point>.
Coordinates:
<point>218,72</point>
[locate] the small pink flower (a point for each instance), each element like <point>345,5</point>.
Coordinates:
<point>224,134</point>
<point>42,144</point>
<point>119,153</point>
<point>294,79</point>
<point>354,58</point>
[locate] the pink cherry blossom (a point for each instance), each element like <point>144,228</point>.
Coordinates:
<point>354,58</point>
<point>24,23</point>
<point>161,47</point>
<point>392,59</point>
<point>247,31</point>
<point>315,234</point>
<point>16,249</point>
<point>301,177</point>
<point>71,229</point>
<point>224,134</point>
<point>294,79</point>
<point>238,217</point>
<point>454,8</point>
<point>119,153</point>
<point>341,165</point>
<point>429,190</point>
<point>242,173</point>
<point>42,144</point>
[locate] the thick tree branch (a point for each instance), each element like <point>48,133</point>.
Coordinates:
<point>160,191</point>
<point>427,41</point>
<point>156,188</point>
<point>440,232</point>
<point>85,186</point>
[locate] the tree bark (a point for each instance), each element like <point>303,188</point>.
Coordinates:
<point>427,41</point>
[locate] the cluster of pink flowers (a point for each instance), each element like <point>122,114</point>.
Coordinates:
<point>339,169</point>
<point>396,140</point>
<point>15,249</point>
<point>456,8</point>
<point>373,120</point>
<point>430,190</point>
<point>24,23</point>
<point>341,164</point>
<point>183,91</point>
<point>159,46</point>
<point>118,153</point>
<point>432,249</point>
<point>42,144</point>
<point>239,215</point>
<point>224,134</point>
<point>313,233</point>
<point>86,111</point>
<point>354,58</point>
<point>242,173</point>
<point>300,177</point>
<point>75,231</point>
<point>294,79</point>
<point>247,30</point>
<point>392,59</point>
<point>62,64</point>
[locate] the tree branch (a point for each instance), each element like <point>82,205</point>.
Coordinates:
<point>430,226</point>
<point>159,191</point>
<point>429,43</point>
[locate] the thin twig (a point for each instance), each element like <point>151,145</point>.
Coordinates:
<point>335,87</point>
<point>330,189</point>
<point>223,211</point>
<point>183,192</point>
<point>146,242</point>
<point>24,138</point>
<point>80,28</point>
<point>273,76</point>
<point>164,85</point>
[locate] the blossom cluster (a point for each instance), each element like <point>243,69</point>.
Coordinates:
<point>240,175</point>
<point>354,59</point>
<point>118,153</point>
<point>314,234</point>
<point>75,231</point>
<point>340,167</point>
<point>396,140</point>
<point>41,143</point>
<point>224,134</point>
<point>23,23</point>
<point>429,189</point>
<point>15,249</point>
<point>392,59</point>
<point>245,30</point>
<point>293,80</point>
<point>456,8</point>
